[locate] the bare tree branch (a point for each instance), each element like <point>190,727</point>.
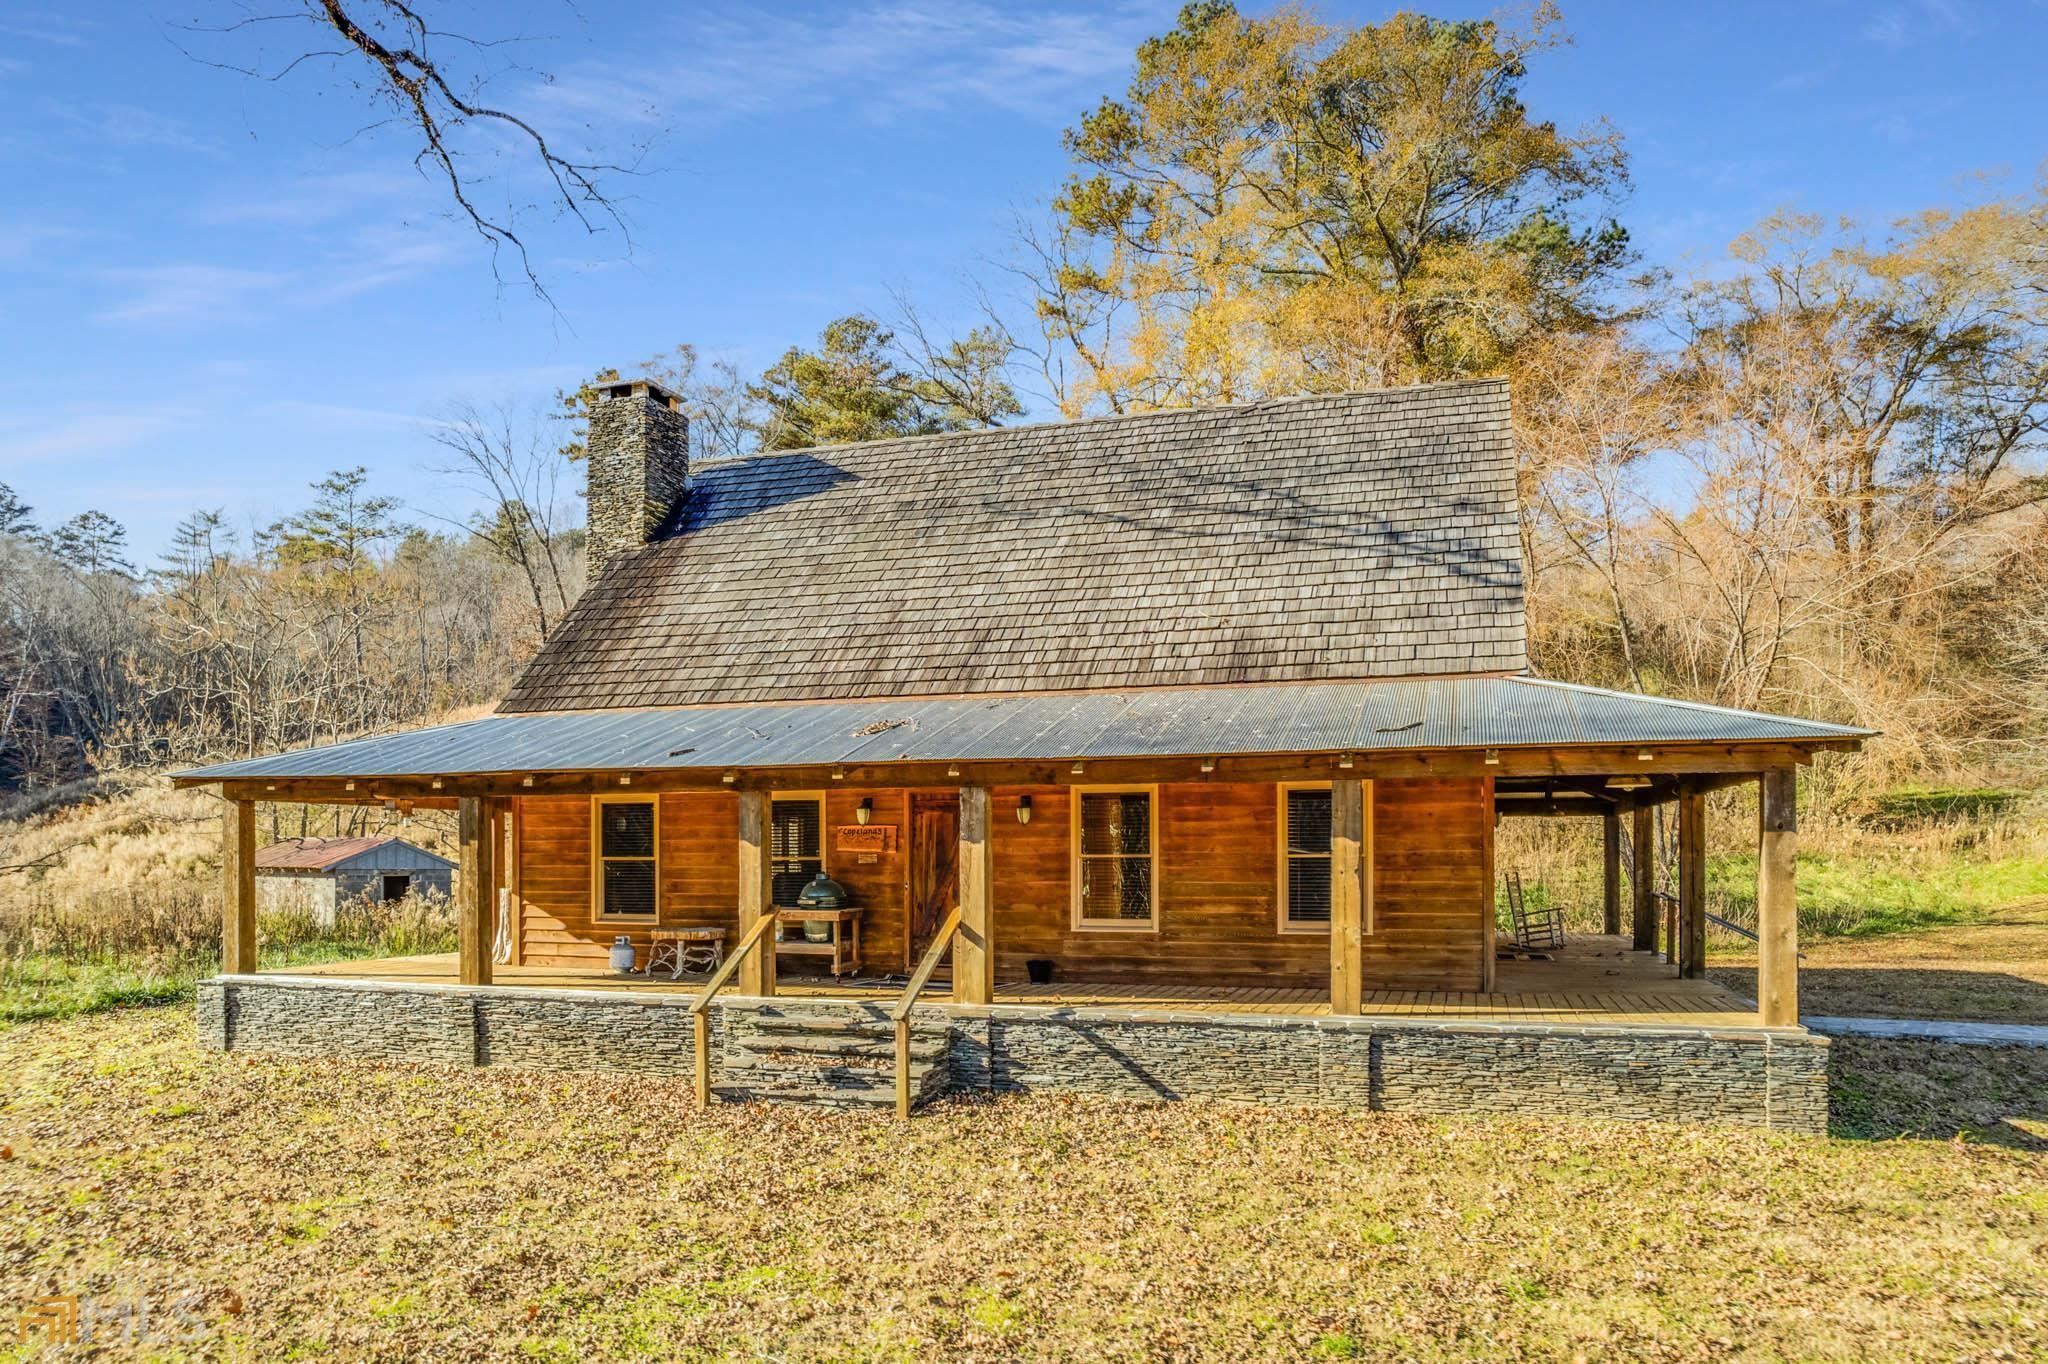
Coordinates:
<point>437,102</point>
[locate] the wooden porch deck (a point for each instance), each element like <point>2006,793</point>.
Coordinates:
<point>1592,980</point>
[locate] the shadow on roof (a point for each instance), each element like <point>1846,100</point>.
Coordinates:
<point>736,489</point>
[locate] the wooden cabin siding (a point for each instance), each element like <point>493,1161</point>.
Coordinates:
<point>1432,884</point>
<point>879,887</point>
<point>1217,891</point>
<point>1218,880</point>
<point>698,861</point>
<point>699,867</point>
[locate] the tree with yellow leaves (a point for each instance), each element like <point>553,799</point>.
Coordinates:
<point>1281,206</point>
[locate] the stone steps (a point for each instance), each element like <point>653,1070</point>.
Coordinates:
<point>829,1060</point>
<point>925,1047</point>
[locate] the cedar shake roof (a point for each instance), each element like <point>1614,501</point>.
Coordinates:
<point>1365,535</point>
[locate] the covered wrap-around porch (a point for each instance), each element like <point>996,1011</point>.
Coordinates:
<point>1403,934</point>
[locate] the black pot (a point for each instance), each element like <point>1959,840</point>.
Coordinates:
<point>1040,971</point>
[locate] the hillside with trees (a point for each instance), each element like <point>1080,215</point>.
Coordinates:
<point>1808,477</point>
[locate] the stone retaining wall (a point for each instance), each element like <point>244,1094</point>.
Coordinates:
<point>1760,1077</point>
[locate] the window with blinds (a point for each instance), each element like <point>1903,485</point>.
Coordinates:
<point>627,860</point>
<point>1305,845</point>
<point>796,845</point>
<point>1115,859</point>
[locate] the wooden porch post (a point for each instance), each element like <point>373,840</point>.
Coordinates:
<point>1777,910</point>
<point>1347,895</point>
<point>477,901</point>
<point>1610,904</point>
<point>757,972</point>
<point>1489,904</point>
<point>1692,883</point>
<point>1643,883</point>
<point>974,947</point>
<point>238,888</point>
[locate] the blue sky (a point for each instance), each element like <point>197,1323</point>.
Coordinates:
<point>214,290</point>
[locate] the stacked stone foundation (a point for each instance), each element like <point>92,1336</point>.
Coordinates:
<point>1774,1078</point>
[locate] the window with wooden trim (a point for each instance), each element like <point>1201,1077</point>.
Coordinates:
<point>796,845</point>
<point>626,871</point>
<point>1116,858</point>
<point>1305,821</point>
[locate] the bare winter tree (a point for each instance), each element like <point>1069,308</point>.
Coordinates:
<point>505,458</point>
<point>431,82</point>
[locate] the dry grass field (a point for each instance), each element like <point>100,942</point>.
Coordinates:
<point>316,1209</point>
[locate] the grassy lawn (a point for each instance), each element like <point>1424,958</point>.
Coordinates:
<point>1868,897</point>
<point>322,1208</point>
<point>1993,970</point>
<point>48,986</point>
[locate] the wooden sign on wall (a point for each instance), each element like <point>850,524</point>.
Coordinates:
<point>865,838</point>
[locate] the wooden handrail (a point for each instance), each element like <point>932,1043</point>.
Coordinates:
<point>699,1006</point>
<point>901,1013</point>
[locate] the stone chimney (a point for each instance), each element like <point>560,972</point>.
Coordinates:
<point>638,451</point>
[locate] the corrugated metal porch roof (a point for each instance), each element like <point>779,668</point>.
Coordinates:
<point>1309,717</point>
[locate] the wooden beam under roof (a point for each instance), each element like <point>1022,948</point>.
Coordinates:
<point>1517,767</point>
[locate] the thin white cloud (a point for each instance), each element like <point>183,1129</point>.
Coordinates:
<point>312,199</point>
<point>190,294</point>
<point>19,241</point>
<point>886,59</point>
<point>333,415</point>
<point>179,294</point>
<point>1898,25</point>
<point>48,26</point>
<point>1887,28</point>
<point>111,125</point>
<point>79,431</point>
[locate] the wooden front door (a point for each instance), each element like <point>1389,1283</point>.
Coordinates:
<point>934,867</point>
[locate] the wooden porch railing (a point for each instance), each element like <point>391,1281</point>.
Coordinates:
<point>700,1006</point>
<point>1669,916</point>
<point>901,1013</point>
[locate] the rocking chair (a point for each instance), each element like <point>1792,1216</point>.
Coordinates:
<point>1540,930</point>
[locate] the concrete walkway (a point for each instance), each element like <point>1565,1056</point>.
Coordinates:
<point>1933,1030</point>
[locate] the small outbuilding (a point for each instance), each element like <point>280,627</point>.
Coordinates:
<point>319,874</point>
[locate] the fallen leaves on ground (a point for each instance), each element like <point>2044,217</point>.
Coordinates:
<point>328,1207</point>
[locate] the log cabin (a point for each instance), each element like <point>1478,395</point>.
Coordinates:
<point>1155,755</point>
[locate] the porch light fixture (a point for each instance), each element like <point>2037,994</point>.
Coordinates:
<point>865,811</point>
<point>350,786</point>
<point>1493,757</point>
<point>1079,768</point>
<point>1208,764</point>
<point>1023,809</point>
<point>1344,760</point>
<point>271,786</point>
<point>839,774</point>
<point>730,777</point>
<point>625,779</point>
<point>1645,755</point>
<point>526,781</point>
<point>437,783</point>
<point>953,769</point>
